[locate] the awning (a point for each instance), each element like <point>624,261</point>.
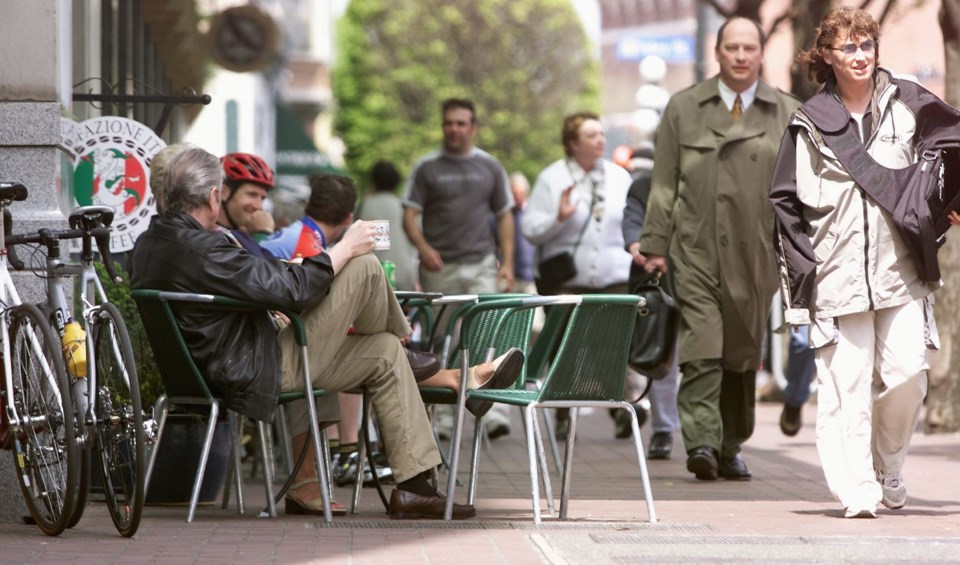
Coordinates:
<point>297,158</point>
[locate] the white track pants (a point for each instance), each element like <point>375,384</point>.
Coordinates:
<point>872,375</point>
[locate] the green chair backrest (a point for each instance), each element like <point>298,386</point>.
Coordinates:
<point>548,340</point>
<point>592,359</point>
<point>180,375</point>
<point>500,328</point>
<point>178,370</point>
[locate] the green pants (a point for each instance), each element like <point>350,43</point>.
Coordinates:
<point>716,406</point>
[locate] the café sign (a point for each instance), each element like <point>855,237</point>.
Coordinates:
<point>111,158</point>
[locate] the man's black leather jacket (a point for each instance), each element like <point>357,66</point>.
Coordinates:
<point>238,352</point>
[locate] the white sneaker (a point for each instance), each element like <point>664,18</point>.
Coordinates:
<point>894,491</point>
<point>859,513</point>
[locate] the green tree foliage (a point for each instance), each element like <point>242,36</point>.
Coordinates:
<point>525,63</point>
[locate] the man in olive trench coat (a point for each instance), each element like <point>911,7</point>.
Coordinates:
<point>716,148</point>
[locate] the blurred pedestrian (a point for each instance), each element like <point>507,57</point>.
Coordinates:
<point>455,191</point>
<point>384,204</point>
<point>665,417</point>
<point>576,209</point>
<point>524,252</point>
<point>800,372</point>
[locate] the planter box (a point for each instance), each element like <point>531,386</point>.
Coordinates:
<point>177,461</point>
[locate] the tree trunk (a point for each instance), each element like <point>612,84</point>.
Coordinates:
<point>807,15</point>
<point>943,395</point>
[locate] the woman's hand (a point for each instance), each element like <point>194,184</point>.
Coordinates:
<point>567,205</point>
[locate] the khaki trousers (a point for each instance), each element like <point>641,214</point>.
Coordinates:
<point>871,385</point>
<point>372,357</point>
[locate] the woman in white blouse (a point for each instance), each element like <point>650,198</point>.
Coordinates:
<point>582,193</point>
<point>577,207</point>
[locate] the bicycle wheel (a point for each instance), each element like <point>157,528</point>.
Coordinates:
<point>46,451</point>
<point>83,482</point>
<point>119,429</point>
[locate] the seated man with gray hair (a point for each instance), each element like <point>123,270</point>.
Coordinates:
<point>249,361</point>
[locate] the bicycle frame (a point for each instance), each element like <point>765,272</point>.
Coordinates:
<point>57,272</point>
<point>9,297</point>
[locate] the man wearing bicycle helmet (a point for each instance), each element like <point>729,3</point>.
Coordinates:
<point>247,181</point>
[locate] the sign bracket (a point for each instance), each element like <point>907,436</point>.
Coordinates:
<point>124,101</point>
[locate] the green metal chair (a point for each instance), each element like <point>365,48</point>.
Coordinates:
<point>186,387</point>
<point>487,329</point>
<point>588,370</point>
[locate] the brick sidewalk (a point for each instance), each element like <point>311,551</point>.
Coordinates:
<point>784,513</point>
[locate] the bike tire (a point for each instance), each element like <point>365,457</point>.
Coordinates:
<point>46,450</point>
<point>83,484</point>
<point>119,430</point>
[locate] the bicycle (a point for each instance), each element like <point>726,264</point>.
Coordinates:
<point>35,422</point>
<point>106,393</point>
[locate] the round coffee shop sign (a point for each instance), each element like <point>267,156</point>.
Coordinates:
<point>111,159</point>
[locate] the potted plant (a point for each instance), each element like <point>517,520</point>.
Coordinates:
<point>179,451</point>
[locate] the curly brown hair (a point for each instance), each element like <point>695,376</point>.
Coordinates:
<point>838,23</point>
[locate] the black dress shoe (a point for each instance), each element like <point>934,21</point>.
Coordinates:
<point>661,443</point>
<point>423,363</point>
<point>791,420</point>
<point>734,469</point>
<point>410,506</point>
<point>702,462</point>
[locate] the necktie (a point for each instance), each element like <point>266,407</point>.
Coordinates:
<point>737,109</point>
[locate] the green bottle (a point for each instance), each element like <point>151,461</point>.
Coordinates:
<point>390,269</point>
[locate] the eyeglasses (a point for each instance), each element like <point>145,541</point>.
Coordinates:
<point>851,48</point>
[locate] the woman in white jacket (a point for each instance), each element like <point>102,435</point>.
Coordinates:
<point>844,264</point>
<point>577,207</point>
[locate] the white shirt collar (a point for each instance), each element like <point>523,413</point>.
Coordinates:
<point>728,95</point>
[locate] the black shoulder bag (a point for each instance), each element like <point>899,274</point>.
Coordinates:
<point>914,196</point>
<point>656,328</point>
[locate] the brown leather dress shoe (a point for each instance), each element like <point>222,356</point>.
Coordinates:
<point>410,506</point>
<point>423,363</point>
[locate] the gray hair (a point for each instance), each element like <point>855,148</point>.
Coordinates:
<point>158,169</point>
<point>191,175</point>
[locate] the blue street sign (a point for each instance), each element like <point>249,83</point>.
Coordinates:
<point>673,48</point>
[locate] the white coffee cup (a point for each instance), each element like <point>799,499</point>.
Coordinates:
<point>381,240</point>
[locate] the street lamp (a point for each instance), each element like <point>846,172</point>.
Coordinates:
<point>651,98</point>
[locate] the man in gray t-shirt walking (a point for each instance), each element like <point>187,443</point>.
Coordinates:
<point>459,190</point>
